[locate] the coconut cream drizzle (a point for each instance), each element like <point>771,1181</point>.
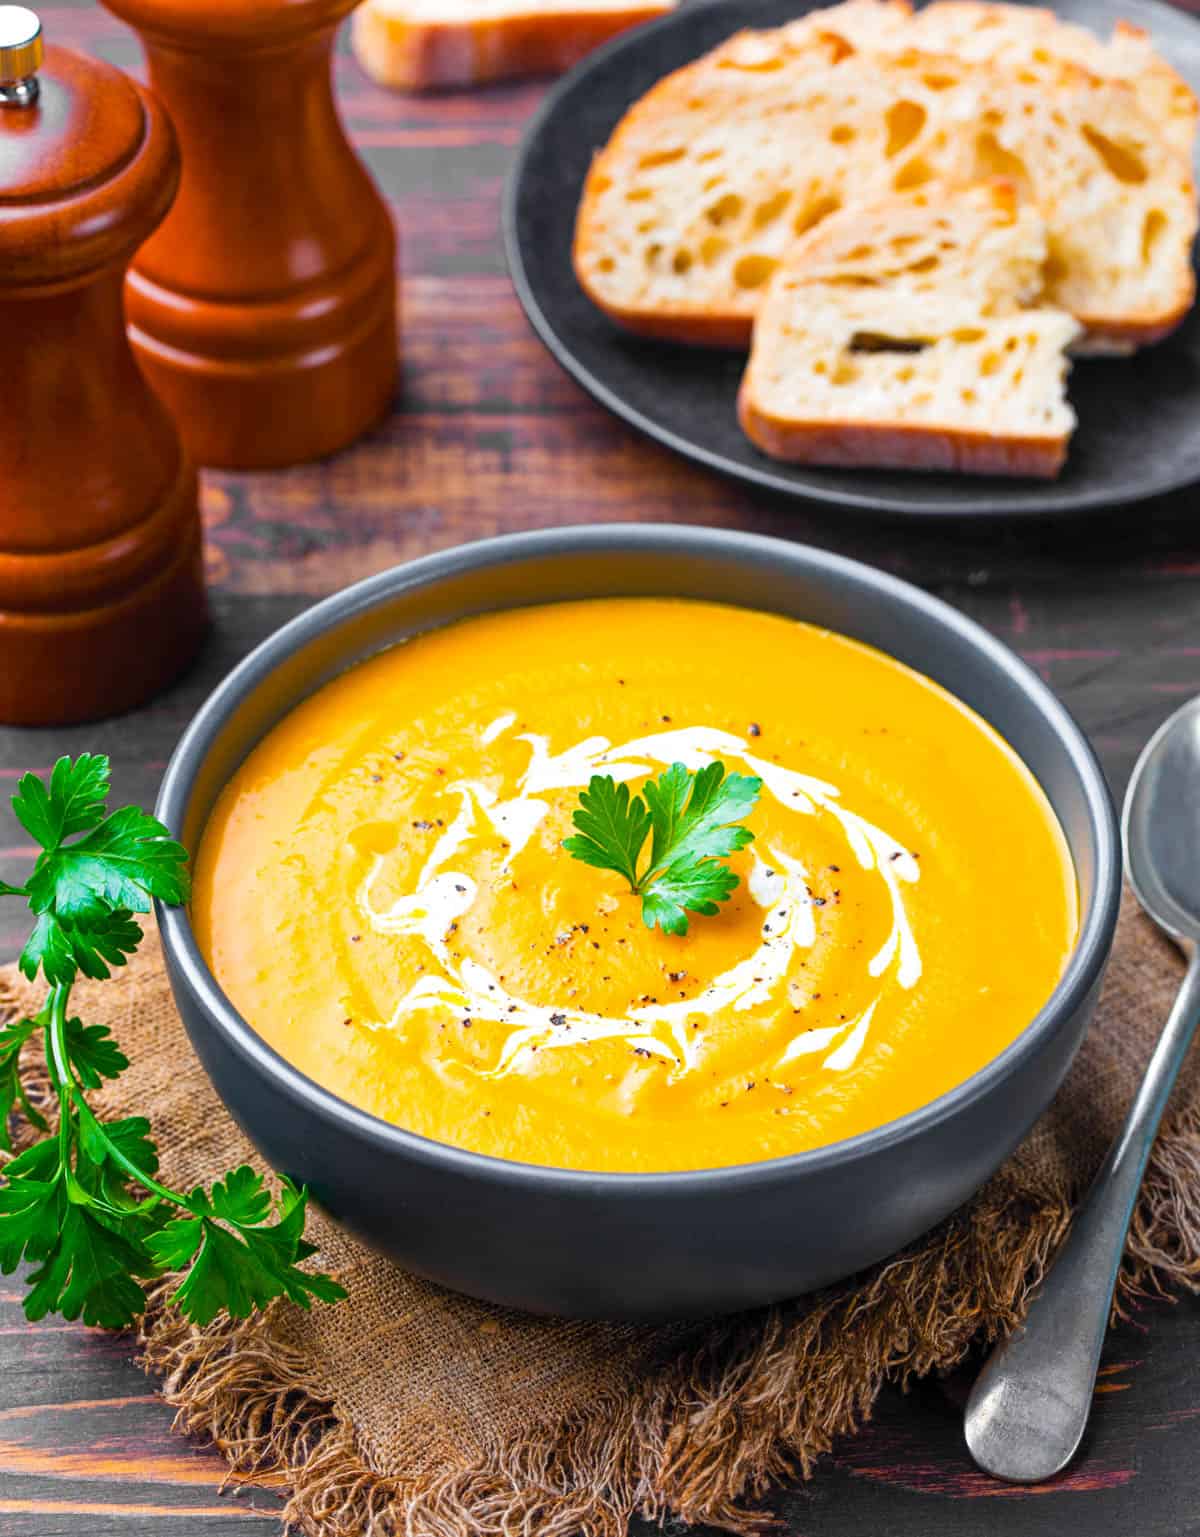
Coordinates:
<point>778,884</point>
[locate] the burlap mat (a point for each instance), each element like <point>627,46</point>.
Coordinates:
<point>409,1409</point>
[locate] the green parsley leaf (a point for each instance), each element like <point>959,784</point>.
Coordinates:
<point>116,867</point>
<point>89,1271</point>
<point>30,1201</point>
<point>693,818</point>
<point>62,949</point>
<point>84,1207</point>
<point>93,1053</point>
<point>101,1144</point>
<point>241,1261</point>
<point>686,887</point>
<point>612,827</point>
<point>72,803</point>
<point>692,814</point>
<point>13,1037</point>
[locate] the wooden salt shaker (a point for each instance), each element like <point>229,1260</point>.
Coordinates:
<point>264,308</point>
<point>101,587</point>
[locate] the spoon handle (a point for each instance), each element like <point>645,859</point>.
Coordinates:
<point>1029,1407</point>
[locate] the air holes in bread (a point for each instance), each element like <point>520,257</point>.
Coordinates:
<point>905,119</point>
<point>1153,226</point>
<point>915,174</point>
<point>838,46</point>
<point>812,213</point>
<point>712,248</point>
<point>660,157</point>
<point>753,270</point>
<point>766,213</point>
<point>842,133</point>
<point>873,341</point>
<point>724,209</point>
<point>1124,163</point>
<point>681,261</point>
<point>992,159</point>
<point>1056,267</point>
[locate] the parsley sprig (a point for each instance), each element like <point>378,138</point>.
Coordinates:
<point>689,818</point>
<point>83,1204</point>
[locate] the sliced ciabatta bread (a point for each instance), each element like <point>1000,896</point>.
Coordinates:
<point>1034,39</point>
<point>421,45</point>
<point>709,180</point>
<point>901,334</point>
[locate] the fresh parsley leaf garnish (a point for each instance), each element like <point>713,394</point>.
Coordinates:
<point>241,1265</point>
<point>691,818</point>
<point>612,828</point>
<point>13,1039</point>
<point>83,1204</point>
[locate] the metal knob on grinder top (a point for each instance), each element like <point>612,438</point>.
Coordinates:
<point>21,53</point>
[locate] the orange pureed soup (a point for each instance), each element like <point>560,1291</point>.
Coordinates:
<point>383,894</point>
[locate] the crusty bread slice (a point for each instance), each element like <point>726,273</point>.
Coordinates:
<point>898,334</point>
<point>1034,39</point>
<point>420,45</point>
<point>710,178</point>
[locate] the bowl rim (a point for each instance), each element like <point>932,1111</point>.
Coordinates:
<point>1083,970</point>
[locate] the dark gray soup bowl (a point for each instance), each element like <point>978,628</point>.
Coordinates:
<point>643,1245</point>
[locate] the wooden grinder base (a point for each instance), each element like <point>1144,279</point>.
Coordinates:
<point>101,586</point>
<point>263,310</point>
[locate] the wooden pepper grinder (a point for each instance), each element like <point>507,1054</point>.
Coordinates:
<point>101,586</point>
<point>264,309</point>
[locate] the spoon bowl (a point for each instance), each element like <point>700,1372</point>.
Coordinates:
<point>1160,828</point>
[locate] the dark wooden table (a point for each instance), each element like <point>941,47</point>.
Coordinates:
<point>487,436</point>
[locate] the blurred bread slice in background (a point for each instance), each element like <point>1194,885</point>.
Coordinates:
<point>424,45</point>
<point>710,179</point>
<point>909,334</point>
<point>1034,39</point>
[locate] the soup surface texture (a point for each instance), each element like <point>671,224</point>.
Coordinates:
<point>383,894</point>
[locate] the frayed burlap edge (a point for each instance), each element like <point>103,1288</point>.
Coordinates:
<point>760,1398</point>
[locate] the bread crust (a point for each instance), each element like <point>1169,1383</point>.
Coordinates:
<point>888,445</point>
<point>734,333</point>
<point>421,55</point>
<point>1101,334</point>
<point>699,328</point>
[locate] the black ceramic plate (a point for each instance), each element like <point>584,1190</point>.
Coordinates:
<point>1139,418</point>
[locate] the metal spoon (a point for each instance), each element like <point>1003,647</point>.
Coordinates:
<point>1029,1407</point>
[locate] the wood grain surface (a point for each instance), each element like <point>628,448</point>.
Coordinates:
<point>488,436</point>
